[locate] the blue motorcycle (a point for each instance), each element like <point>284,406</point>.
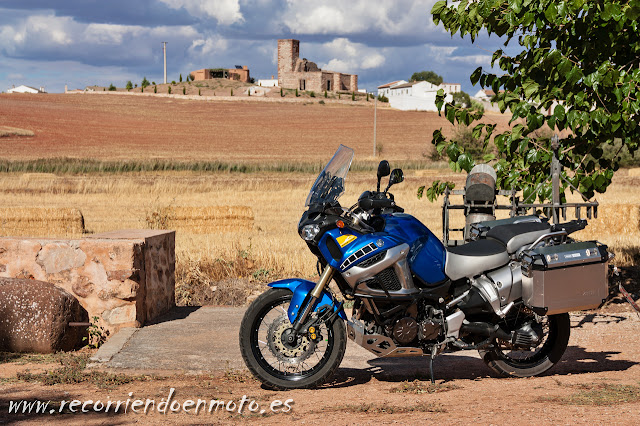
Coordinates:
<point>507,294</point>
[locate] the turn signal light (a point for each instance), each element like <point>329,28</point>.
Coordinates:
<point>340,224</point>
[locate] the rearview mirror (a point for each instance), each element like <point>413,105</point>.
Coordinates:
<point>383,170</point>
<point>397,176</point>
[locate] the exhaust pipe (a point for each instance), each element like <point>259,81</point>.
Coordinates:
<point>486,330</point>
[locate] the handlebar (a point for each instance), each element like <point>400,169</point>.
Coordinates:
<point>372,203</point>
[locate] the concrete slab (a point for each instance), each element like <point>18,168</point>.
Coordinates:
<point>198,340</point>
<point>113,345</point>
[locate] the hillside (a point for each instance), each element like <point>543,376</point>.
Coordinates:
<point>143,127</point>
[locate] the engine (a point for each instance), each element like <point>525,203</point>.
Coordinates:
<point>419,324</point>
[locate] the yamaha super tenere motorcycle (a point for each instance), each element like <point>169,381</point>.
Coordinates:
<point>506,294</point>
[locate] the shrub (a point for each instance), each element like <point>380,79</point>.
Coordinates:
<point>155,89</point>
<point>142,89</point>
<point>281,93</point>
<point>321,102</point>
<point>173,82</point>
<point>312,94</point>
<point>325,93</point>
<point>135,85</point>
<point>145,82</point>
<point>199,94</point>
<point>297,93</point>
<point>112,88</point>
<point>169,90</point>
<point>353,96</point>
<point>339,96</point>
<point>463,135</point>
<point>129,85</point>
<point>184,90</point>
<point>180,78</point>
<point>477,106</point>
<point>231,92</point>
<point>153,82</point>
<point>383,98</point>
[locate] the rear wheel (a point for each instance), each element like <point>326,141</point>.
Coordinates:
<point>510,361</point>
<point>279,364</point>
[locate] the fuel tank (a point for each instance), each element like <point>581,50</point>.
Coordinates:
<point>345,248</point>
<point>427,254</point>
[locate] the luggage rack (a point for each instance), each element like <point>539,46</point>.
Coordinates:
<point>479,200</point>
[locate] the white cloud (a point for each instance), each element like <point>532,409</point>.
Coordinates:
<point>350,57</point>
<point>209,46</point>
<point>226,12</point>
<point>473,59</point>
<point>391,17</point>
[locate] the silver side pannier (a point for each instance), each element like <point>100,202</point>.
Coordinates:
<point>566,277</point>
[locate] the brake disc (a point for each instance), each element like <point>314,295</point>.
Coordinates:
<point>302,349</point>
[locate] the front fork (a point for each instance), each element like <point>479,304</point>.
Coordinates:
<point>314,295</point>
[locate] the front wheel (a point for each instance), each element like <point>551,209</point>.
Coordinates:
<point>282,365</point>
<point>509,361</point>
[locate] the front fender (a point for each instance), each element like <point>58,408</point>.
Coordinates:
<point>300,289</point>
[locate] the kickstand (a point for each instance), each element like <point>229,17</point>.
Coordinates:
<point>433,354</point>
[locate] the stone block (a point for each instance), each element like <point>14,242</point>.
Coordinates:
<point>35,317</point>
<point>124,278</point>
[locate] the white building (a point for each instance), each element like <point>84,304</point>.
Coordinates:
<point>385,89</point>
<point>416,95</point>
<point>26,89</point>
<point>268,83</point>
<point>484,95</point>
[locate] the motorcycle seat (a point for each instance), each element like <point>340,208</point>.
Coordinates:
<point>516,235</point>
<point>472,259</point>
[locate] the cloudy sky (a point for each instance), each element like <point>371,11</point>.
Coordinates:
<point>84,42</point>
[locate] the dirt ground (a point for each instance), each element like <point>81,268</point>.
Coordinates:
<point>120,127</point>
<point>596,382</point>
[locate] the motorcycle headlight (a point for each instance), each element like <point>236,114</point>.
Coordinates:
<point>309,232</point>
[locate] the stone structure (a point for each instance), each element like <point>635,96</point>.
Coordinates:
<point>38,317</point>
<point>296,73</point>
<point>125,278</point>
<point>239,73</point>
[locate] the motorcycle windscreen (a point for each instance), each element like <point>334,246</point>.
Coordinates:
<point>329,184</point>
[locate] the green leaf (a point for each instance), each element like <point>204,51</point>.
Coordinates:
<point>475,76</point>
<point>438,7</point>
<point>558,113</point>
<point>465,161</point>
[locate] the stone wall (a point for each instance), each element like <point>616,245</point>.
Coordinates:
<point>125,278</point>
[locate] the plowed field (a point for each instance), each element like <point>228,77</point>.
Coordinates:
<point>119,127</point>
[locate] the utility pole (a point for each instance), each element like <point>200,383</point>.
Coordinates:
<point>164,51</point>
<point>375,119</point>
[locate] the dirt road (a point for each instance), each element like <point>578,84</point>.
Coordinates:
<point>597,382</point>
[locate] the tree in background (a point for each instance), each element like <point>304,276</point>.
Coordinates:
<point>145,82</point>
<point>576,70</point>
<point>180,78</point>
<point>429,76</point>
<point>129,85</point>
<point>112,88</point>
<point>462,99</point>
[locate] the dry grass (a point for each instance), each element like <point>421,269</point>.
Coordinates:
<point>599,394</point>
<point>270,248</point>
<point>635,172</point>
<point>6,131</point>
<point>41,221</point>
<point>202,220</point>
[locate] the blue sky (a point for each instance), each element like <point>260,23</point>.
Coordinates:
<point>84,42</point>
